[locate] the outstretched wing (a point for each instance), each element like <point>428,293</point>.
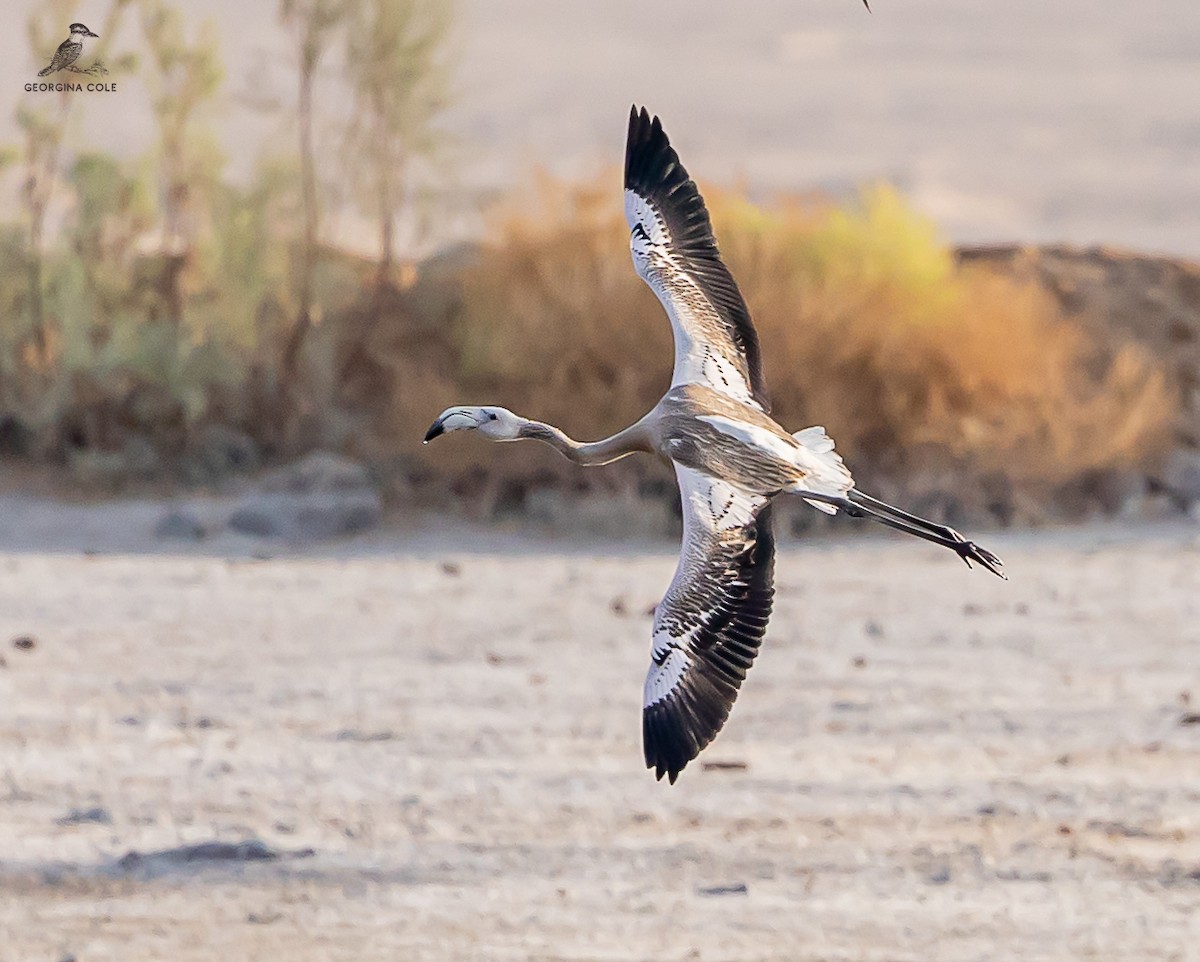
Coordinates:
<point>675,252</point>
<point>711,621</point>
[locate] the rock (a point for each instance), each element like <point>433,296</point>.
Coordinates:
<point>995,498</point>
<point>1116,829</point>
<point>330,516</point>
<point>307,517</point>
<point>85,816</point>
<point>319,471</point>
<point>141,458</point>
<point>1030,510</point>
<point>735,888</point>
<point>216,451</point>
<point>731,765</point>
<point>394,476</point>
<point>179,524</point>
<point>321,496</point>
<point>1180,475</point>
<point>1116,491</point>
<point>15,438</point>
<point>100,469</point>
<point>257,517</point>
<point>1151,507</point>
<point>598,515</point>
<point>355,735</point>
<point>1074,504</point>
<point>250,850</point>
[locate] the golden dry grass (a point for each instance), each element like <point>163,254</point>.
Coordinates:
<point>867,325</point>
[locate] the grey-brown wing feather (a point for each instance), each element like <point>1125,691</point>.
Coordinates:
<point>715,339</point>
<point>711,622</point>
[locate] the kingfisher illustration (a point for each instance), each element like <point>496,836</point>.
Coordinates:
<point>69,50</point>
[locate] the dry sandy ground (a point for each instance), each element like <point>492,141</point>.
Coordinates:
<point>937,765</point>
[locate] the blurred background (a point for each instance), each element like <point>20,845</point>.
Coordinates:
<point>303,227</point>
<point>278,682</point>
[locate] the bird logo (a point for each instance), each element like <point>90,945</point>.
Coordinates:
<point>69,51</point>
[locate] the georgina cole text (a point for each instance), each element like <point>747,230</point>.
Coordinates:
<point>72,88</point>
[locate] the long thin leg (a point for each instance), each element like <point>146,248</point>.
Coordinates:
<point>866,500</point>
<point>863,506</point>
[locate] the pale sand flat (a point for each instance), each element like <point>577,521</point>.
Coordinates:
<point>937,765</point>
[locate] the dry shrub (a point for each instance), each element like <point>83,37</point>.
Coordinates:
<point>867,326</point>
<point>1027,393</point>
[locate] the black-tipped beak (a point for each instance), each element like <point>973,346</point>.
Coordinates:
<point>434,430</point>
<point>96,35</point>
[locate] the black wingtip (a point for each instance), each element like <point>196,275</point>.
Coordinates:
<point>665,743</point>
<point>654,172</point>
<point>642,139</point>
